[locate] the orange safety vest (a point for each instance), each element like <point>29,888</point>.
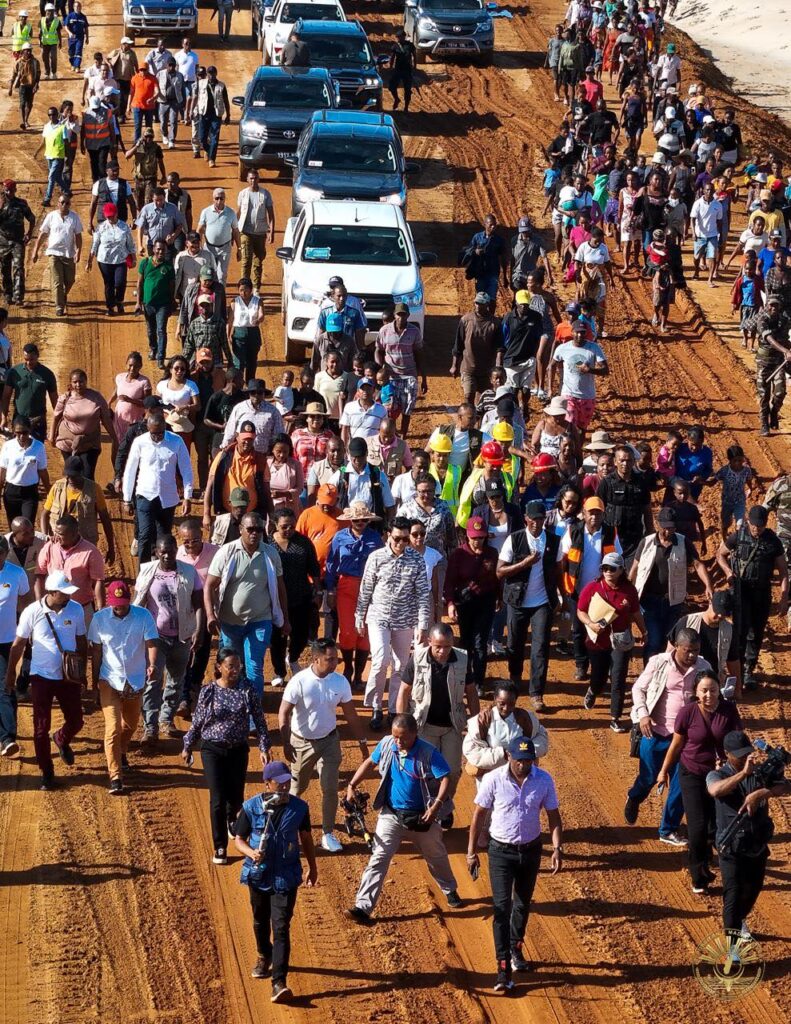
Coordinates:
<point>572,563</point>
<point>97,129</point>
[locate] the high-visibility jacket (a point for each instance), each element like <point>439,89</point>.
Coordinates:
<point>49,33</point>
<point>20,34</point>
<point>97,129</point>
<point>3,5</point>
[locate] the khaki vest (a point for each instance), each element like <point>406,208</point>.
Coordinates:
<point>677,568</point>
<point>724,637</point>
<point>83,510</point>
<point>421,688</point>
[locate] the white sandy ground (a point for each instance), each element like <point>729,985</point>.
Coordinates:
<point>749,42</point>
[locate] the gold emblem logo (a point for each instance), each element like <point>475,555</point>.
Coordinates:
<point>729,967</point>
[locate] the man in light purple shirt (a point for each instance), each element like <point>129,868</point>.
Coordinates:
<point>516,793</point>
<point>665,686</point>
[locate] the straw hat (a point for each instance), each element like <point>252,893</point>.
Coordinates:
<point>358,510</point>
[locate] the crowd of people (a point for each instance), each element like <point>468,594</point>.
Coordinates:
<point>448,575</point>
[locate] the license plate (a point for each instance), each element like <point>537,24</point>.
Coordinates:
<point>283,155</point>
<point>454,46</point>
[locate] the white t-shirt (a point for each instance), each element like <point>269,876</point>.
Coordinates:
<point>13,585</point>
<point>187,63</point>
<point>752,242</point>
<point>403,488</point>
<point>535,591</point>
<point>591,554</point>
<point>123,642</point>
<point>69,623</point>
<point>575,383</point>
<point>498,534</point>
<point>244,313</point>
<point>112,188</point>
<point>706,218</point>
<point>592,255</point>
<point>22,465</point>
<point>315,701</point>
<point>180,398</point>
<point>362,422</point>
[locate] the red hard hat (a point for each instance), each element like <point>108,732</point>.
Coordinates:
<point>544,462</point>
<point>492,452</point>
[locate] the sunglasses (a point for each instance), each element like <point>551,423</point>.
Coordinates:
<point>253,529</point>
<point>399,540</point>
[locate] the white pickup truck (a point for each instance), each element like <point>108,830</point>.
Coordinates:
<point>276,22</point>
<point>369,245</point>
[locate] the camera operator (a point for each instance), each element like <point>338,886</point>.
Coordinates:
<point>269,831</point>
<point>742,785</point>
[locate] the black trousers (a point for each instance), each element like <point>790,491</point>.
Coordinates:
<point>578,635</point>
<point>699,809</point>
<point>396,79</point>
<point>755,604</point>
<point>153,521</point>
<point>20,501</point>
<point>742,881</point>
<point>513,871</point>
<point>300,616</point>
<point>225,769</point>
<point>612,664</point>
<point>196,670</point>
<point>475,624</point>
<point>539,621</point>
<point>272,913</point>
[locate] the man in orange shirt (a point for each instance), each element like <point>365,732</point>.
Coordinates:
<point>237,467</point>
<point>319,524</point>
<point>143,96</point>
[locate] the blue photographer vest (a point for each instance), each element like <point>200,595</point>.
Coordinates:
<point>281,870</point>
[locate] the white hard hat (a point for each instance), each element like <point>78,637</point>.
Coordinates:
<point>126,39</point>
<point>23,14</point>
<point>49,7</point>
<point>27,46</point>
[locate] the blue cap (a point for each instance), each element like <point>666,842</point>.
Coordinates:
<point>277,771</point>
<point>335,322</point>
<point>522,749</point>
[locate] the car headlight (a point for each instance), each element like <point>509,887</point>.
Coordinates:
<point>307,195</point>
<point>371,82</point>
<point>135,10</point>
<point>484,26</point>
<point>427,24</point>
<point>187,12</point>
<point>254,129</point>
<point>301,294</point>
<point>395,198</point>
<point>413,299</point>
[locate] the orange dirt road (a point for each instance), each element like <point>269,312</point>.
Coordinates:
<point>111,911</point>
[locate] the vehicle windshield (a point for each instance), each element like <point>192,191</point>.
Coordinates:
<point>339,50</point>
<point>313,12</point>
<point>356,244</point>
<point>451,5</point>
<point>352,155</point>
<point>291,92</point>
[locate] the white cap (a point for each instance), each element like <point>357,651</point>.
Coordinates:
<point>59,581</point>
<point>126,39</point>
<point>23,14</point>
<point>95,102</point>
<point>49,7</point>
<point>708,119</point>
<point>670,112</point>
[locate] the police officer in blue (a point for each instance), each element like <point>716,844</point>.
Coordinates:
<point>269,831</point>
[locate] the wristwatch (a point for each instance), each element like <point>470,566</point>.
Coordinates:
<point>558,849</point>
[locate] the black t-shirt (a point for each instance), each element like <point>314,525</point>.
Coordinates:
<point>219,406</point>
<point>439,708</point>
<point>709,643</point>
<point>601,125</point>
<point>303,398</point>
<point>761,568</point>
<point>657,582</point>
<point>403,57</point>
<point>244,826</point>
<point>756,830</point>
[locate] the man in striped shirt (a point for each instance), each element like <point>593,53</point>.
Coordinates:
<point>394,600</point>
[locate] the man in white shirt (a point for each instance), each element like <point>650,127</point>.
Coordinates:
<point>53,625</point>
<point>123,654</point>
<point>256,216</point>
<point>63,230</point>
<point>150,479</point>
<point>706,219</point>
<point>362,416</point>
<point>190,261</point>
<point>14,584</point>
<point>187,63</point>
<point>309,731</point>
<point>219,228</point>
<point>157,58</point>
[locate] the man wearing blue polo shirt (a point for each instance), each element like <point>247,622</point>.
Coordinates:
<point>415,780</point>
<point>515,794</point>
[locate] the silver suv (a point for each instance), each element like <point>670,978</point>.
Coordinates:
<point>456,28</point>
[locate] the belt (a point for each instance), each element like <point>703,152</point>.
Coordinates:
<point>314,739</point>
<point>517,846</point>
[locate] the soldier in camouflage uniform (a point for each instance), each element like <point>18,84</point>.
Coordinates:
<point>14,212</point>
<point>773,352</point>
<point>778,500</point>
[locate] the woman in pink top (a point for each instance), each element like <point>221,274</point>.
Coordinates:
<point>284,475</point>
<point>79,416</point>
<point>131,388</point>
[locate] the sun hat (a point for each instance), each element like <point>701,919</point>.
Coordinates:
<point>357,510</point>
<point>600,442</point>
<point>557,407</point>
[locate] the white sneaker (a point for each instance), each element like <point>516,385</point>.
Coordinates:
<point>171,145</point>
<point>278,682</point>
<point>745,932</point>
<point>133,547</point>
<point>10,748</point>
<point>330,843</point>
<point>541,395</point>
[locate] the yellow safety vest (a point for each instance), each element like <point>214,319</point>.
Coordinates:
<point>3,5</point>
<point>450,486</point>
<point>49,34</point>
<point>20,34</point>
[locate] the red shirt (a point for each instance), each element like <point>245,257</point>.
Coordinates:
<point>623,598</point>
<point>593,91</point>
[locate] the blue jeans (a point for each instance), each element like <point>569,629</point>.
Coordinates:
<point>652,756</point>
<point>224,14</point>
<point>488,283</point>
<point>168,120</point>
<point>54,176</point>
<point>75,51</point>
<point>660,617</point>
<point>209,134</point>
<point>251,643</point>
<point>157,329</point>
<point>7,701</point>
<point>139,117</point>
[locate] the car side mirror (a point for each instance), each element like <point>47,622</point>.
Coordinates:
<point>285,252</point>
<point>238,101</point>
<point>491,6</point>
<point>269,16</point>
<point>427,259</point>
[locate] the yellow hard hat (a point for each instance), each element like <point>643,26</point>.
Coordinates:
<point>442,444</point>
<point>503,431</point>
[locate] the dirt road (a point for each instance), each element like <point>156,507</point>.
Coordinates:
<point>112,911</point>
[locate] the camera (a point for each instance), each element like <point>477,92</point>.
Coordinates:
<point>770,771</point>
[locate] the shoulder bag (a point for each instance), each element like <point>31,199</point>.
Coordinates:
<point>73,668</point>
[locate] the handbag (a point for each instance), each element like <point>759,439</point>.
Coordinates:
<point>73,668</point>
<point>634,740</point>
<point>412,820</point>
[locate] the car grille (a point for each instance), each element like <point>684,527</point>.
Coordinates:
<point>275,134</point>
<point>449,28</point>
<point>376,304</point>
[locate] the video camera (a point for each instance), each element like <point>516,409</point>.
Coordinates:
<point>355,818</point>
<point>766,774</point>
